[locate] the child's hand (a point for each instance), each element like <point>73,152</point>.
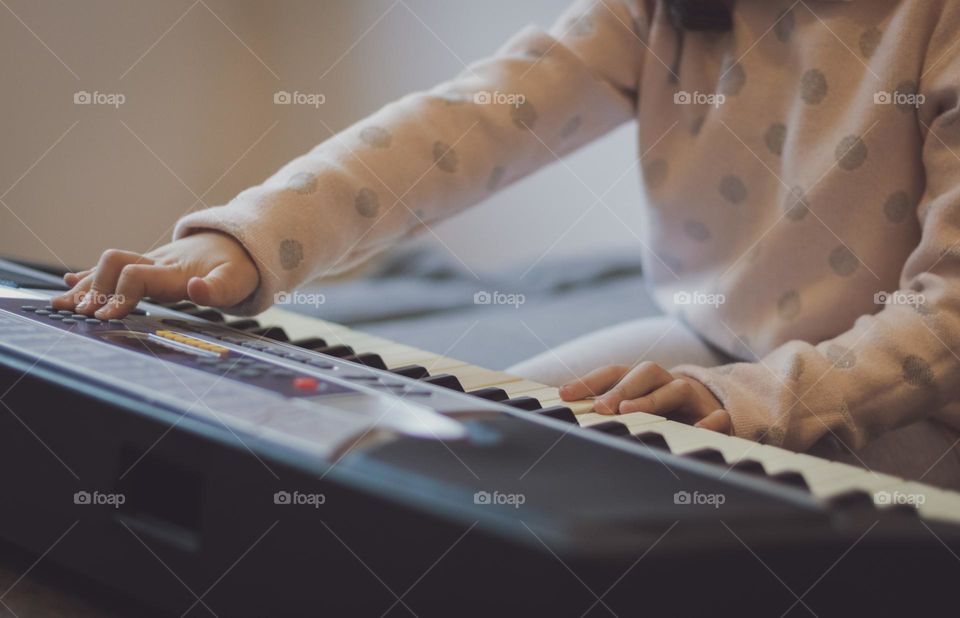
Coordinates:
<point>650,388</point>
<point>209,268</point>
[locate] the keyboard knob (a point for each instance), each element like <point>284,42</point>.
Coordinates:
<point>523,403</point>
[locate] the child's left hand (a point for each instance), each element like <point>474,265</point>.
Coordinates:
<point>650,388</point>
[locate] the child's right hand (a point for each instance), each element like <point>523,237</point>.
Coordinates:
<point>210,268</point>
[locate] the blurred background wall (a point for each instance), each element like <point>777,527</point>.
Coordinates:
<point>198,122</point>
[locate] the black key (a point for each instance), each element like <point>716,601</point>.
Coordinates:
<point>653,440</point>
<point>210,315</point>
<point>613,428</point>
<point>69,321</point>
<point>491,393</point>
<point>523,403</point>
<point>789,477</point>
<point>93,321</point>
<point>750,466</point>
<point>446,380</point>
<point>854,500</point>
<point>244,324</point>
<point>369,359</point>
<point>180,306</point>
<point>43,312</point>
<point>710,455</point>
<point>411,371</point>
<point>310,343</point>
<point>65,313</point>
<point>336,350</point>
<point>561,413</point>
<point>271,332</point>
<point>28,307</point>
<point>320,363</point>
<point>137,311</point>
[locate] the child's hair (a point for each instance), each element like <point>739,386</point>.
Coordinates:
<point>700,14</point>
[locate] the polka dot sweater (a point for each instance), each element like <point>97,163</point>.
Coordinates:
<point>802,173</point>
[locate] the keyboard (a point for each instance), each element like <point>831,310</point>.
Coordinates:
<point>198,464</point>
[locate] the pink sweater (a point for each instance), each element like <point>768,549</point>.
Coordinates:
<point>802,174</point>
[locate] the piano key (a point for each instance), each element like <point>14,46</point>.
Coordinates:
<point>477,377</point>
<point>310,343</point>
<point>411,371</point>
<point>369,359</point>
<point>561,413</point>
<point>206,313</point>
<point>445,380</point>
<point>243,324</point>
<point>491,393</point>
<point>612,428</point>
<point>270,332</point>
<point>335,350</point>
<point>523,403</point>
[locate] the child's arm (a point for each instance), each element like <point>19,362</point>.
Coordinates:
<point>431,154</point>
<point>890,369</point>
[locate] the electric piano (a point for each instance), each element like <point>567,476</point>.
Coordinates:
<point>202,465</point>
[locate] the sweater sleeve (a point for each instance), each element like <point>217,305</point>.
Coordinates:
<point>431,154</point>
<point>898,365</point>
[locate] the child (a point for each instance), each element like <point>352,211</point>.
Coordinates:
<point>801,161</point>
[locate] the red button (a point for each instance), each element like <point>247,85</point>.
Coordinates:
<point>305,383</point>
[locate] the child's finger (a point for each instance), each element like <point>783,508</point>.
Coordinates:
<point>72,279</point>
<point>595,382</point>
<point>138,280</point>
<point>71,298</point>
<point>718,420</point>
<point>641,380</point>
<point>224,286</point>
<point>674,395</point>
<point>105,278</point>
